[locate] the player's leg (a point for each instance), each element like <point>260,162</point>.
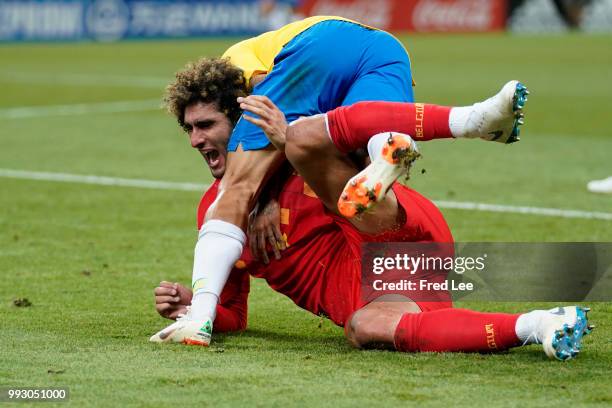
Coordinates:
<point>373,326</point>
<point>220,242</point>
<point>222,238</point>
<point>392,324</point>
<point>326,170</point>
<point>497,119</point>
<point>348,128</point>
<point>322,142</point>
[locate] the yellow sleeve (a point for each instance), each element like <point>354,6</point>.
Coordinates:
<point>244,56</point>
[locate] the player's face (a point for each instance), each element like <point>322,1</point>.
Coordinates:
<point>209,131</point>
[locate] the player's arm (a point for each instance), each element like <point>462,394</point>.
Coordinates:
<point>264,228</point>
<point>171,299</point>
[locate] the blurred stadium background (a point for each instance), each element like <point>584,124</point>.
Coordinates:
<point>99,189</point>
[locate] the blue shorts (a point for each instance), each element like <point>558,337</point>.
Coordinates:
<point>331,64</point>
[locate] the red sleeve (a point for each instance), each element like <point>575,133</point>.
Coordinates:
<point>207,199</point>
<point>232,308</point>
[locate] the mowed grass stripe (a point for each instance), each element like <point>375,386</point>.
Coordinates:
<point>23,112</point>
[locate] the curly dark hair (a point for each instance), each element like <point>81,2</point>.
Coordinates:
<point>207,80</point>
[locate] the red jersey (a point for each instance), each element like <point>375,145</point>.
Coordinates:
<point>321,268</point>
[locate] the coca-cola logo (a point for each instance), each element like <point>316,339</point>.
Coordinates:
<point>458,15</point>
<point>376,13</point>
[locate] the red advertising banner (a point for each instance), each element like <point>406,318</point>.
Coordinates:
<point>417,15</point>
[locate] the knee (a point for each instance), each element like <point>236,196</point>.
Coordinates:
<point>374,325</point>
<point>305,138</point>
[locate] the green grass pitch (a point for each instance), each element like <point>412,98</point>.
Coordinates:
<point>88,256</point>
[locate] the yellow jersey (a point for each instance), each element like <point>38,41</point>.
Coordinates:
<point>256,55</point>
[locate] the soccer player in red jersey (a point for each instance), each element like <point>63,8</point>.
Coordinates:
<point>310,66</point>
<point>321,268</point>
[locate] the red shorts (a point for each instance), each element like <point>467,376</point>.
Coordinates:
<point>344,292</point>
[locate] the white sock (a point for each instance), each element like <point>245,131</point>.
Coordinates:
<point>527,325</point>
<point>375,145</point>
<point>457,120</point>
<point>218,248</point>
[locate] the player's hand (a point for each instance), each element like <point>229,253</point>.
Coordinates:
<point>271,120</point>
<point>265,229</point>
<point>171,299</point>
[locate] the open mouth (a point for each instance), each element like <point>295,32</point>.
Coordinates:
<point>212,158</point>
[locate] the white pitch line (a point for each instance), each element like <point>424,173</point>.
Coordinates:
<point>101,180</point>
<point>169,185</point>
<point>80,109</point>
<point>548,212</point>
